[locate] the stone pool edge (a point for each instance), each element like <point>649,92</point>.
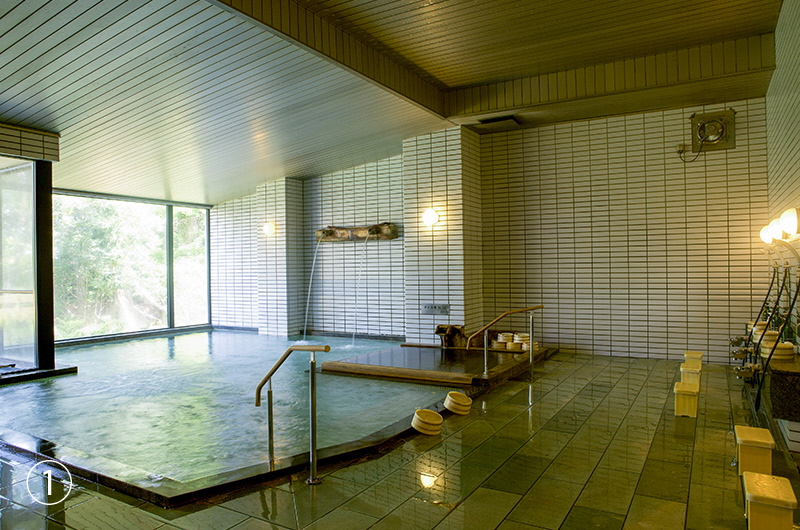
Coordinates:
<point>170,493</point>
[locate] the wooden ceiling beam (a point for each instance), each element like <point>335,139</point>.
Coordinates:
<point>721,71</point>
<point>303,27</point>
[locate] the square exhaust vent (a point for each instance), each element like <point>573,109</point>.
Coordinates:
<point>498,124</point>
<point>713,130</point>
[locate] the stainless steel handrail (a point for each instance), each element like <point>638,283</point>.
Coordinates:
<point>312,413</point>
<point>485,331</point>
<point>499,318</point>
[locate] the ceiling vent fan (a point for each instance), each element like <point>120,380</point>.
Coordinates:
<point>498,124</point>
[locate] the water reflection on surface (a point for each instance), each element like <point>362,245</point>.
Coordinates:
<point>183,407</point>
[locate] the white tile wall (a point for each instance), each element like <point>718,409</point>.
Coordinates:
<point>296,258</point>
<point>357,286</point>
<point>783,120</point>
<point>440,171</point>
<point>235,262</point>
<point>272,263</point>
<point>256,280</point>
<point>631,251</point>
<point>281,258</point>
<point>261,282</point>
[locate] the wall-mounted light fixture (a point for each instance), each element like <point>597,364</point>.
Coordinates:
<point>775,229</point>
<point>779,230</point>
<point>269,228</point>
<point>430,217</point>
<point>765,235</point>
<point>788,221</point>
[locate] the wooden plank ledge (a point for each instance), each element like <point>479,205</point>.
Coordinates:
<point>397,373</point>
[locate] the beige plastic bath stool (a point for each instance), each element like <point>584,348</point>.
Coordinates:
<point>754,449</point>
<point>696,355</point>
<point>769,502</point>
<point>689,373</point>
<point>694,364</point>
<point>686,399</point>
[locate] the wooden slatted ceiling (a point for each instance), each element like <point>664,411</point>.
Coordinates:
<point>458,43</point>
<point>185,101</point>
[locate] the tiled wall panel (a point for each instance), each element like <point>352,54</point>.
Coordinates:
<point>473,230</point>
<point>783,120</point>
<point>357,286</point>
<point>281,258</point>
<point>256,280</point>
<point>632,252</point>
<point>235,264</point>
<point>296,259</point>
<point>272,266</point>
<point>442,266</point>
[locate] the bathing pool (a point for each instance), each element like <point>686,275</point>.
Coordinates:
<point>171,419</point>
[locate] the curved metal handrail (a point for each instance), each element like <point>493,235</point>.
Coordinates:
<point>499,318</point>
<point>278,364</point>
<point>312,404</point>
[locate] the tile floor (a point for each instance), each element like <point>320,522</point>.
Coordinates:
<point>591,442</point>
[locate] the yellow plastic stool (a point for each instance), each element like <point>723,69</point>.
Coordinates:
<point>689,354</point>
<point>686,399</point>
<point>769,502</point>
<point>695,364</point>
<point>754,449</point>
<point>690,374</point>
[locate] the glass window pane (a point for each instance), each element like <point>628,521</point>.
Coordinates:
<point>17,303</point>
<point>109,266</point>
<point>189,266</point>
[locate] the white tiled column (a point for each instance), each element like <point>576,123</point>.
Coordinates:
<point>443,265</point>
<point>280,258</point>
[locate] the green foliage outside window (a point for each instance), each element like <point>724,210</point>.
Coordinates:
<point>110,266</point>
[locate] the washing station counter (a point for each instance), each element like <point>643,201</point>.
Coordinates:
<point>783,386</point>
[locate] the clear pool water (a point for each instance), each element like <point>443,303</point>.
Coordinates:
<point>183,407</point>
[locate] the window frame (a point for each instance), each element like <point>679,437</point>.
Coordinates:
<point>171,328</point>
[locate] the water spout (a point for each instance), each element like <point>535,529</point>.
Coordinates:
<point>358,289</point>
<point>310,281</point>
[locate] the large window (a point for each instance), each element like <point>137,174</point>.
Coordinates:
<point>189,266</point>
<point>17,301</point>
<point>113,269</point>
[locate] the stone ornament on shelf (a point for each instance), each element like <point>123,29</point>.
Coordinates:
<point>382,231</point>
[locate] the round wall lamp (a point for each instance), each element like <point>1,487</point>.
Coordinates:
<point>430,217</point>
<point>789,221</point>
<point>775,229</point>
<point>766,237</point>
<point>269,228</point>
